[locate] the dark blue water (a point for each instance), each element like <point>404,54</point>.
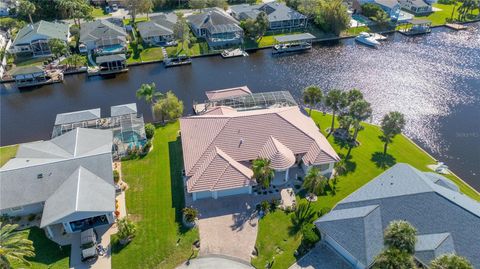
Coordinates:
<point>433,79</point>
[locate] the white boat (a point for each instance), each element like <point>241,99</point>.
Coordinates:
<point>291,47</point>
<point>367,39</point>
<point>233,53</point>
<point>379,37</point>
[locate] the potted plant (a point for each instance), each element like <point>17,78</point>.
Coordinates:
<point>190,216</point>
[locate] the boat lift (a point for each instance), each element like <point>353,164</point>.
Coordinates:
<point>293,43</point>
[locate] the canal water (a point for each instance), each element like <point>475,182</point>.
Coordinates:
<point>433,79</point>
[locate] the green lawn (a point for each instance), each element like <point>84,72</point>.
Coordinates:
<point>82,62</point>
<point>6,153</point>
<point>47,253</point>
<point>151,54</point>
<point>154,200</point>
<point>99,12</point>
<point>30,61</point>
<point>273,229</point>
<point>440,17</point>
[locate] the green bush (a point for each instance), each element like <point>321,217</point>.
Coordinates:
<point>116,176</point>
<point>445,2</point>
<point>370,10</point>
<point>310,235</point>
<point>265,207</point>
<point>149,130</point>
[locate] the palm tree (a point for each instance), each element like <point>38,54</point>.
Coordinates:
<point>392,124</point>
<point>303,215</point>
<point>26,8</point>
<point>262,171</point>
<point>14,246</point>
<point>127,230</point>
<point>360,110</point>
<point>400,234</point>
<point>335,100</point>
<point>315,182</point>
<point>392,258</point>
<point>450,261</point>
<point>312,95</point>
<point>149,93</point>
<point>354,95</point>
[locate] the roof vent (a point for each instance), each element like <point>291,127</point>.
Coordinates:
<point>241,142</point>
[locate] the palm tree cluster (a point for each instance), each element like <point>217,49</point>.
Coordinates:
<point>263,172</point>
<point>127,230</point>
<point>400,238</point>
<point>467,8</point>
<point>14,246</point>
<point>315,183</point>
<point>165,106</point>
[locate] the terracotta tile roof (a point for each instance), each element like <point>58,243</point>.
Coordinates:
<point>219,171</point>
<point>219,110</point>
<point>225,93</point>
<point>242,135</point>
<point>280,156</point>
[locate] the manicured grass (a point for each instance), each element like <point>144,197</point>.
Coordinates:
<point>356,30</point>
<point>47,253</point>
<point>6,153</point>
<point>82,62</point>
<point>30,61</point>
<point>99,12</point>
<point>151,54</point>
<point>365,164</point>
<point>197,48</point>
<point>440,17</point>
<point>154,200</point>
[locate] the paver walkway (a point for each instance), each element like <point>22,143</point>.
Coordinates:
<point>227,225</point>
<point>214,262</point>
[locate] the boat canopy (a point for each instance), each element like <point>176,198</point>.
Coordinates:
<point>295,37</point>
<point>28,70</point>
<point>110,58</point>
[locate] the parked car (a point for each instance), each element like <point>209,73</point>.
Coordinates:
<point>107,9</point>
<point>88,243</point>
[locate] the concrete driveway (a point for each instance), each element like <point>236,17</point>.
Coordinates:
<point>227,225</point>
<point>214,262</point>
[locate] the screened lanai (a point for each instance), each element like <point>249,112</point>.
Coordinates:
<point>252,101</point>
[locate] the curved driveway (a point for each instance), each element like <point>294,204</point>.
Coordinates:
<point>214,262</point>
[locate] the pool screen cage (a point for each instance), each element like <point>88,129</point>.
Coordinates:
<point>253,101</point>
<point>128,133</point>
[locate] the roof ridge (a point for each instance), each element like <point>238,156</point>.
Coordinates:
<point>220,174</point>
<point>230,160</point>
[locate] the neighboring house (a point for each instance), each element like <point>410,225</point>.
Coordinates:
<point>417,7</point>
<point>220,145</point>
<point>447,221</point>
<point>280,17</point>
<point>217,27</point>
<point>33,38</point>
<point>391,7</point>
<point>158,30</point>
<point>103,37</point>
<point>68,179</point>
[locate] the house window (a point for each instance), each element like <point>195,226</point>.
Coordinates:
<point>16,209</point>
<point>324,167</point>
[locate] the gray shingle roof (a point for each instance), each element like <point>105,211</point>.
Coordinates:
<point>42,29</point>
<point>403,192</point>
<point>387,3</point>
<point>100,29</point>
<point>123,109</point>
<point>77,116</point>
<point>83,194</point>
<point>152,28</point>
<point>215,20</point>
<point>25,70</point>
<point>40,168</point>
<point>110,58</point>
<point>430,246</point>
<point>274,10</point>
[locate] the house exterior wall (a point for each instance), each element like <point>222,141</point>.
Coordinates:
<point>324,168</point>
<point>158,39</point>
<point>410,6</point>
<point>221,193</point>
<point>23,210</point>
<point>287,24</point>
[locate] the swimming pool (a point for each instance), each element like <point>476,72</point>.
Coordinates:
<point>131,139</point>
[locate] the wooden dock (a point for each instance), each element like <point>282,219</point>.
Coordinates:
<point>456,26</point>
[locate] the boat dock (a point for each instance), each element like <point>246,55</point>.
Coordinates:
<point>416,27</point>
<point>177,61</point>
<point>456,26</point>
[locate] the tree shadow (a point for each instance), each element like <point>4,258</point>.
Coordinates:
<point>383,161</point>
<point>349,165</point>
<point>176,181</point>
<point>46,251</point>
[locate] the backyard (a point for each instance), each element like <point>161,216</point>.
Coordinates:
<point>274,241</point>
<point>154,200</point>
<point>445,12</point>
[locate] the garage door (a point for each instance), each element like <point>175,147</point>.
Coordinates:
<point>203,194</point>
<point>229,192</point>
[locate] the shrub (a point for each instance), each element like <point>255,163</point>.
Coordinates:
<point>274,204</point>
<point>309,235</point>
<point>116,176</point>
<point>445,2</point>
<point>149,130</point>
<point>370,10</point>
<point>265,207</point>
<point>190,214</point>
<point>127,230</point>
<point>32,217</point>
<point>147,147</point>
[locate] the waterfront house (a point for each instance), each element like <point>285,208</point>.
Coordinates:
<point>447,221</point>
<point>417,7</point>
<point>68,180</point>
<point>280,16</point>
<point>103,37</point>
<point>32,40</point>
<point>391,7</point>
<point>217,27</point>
<point>220,144</point>
<point>158,30</point>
